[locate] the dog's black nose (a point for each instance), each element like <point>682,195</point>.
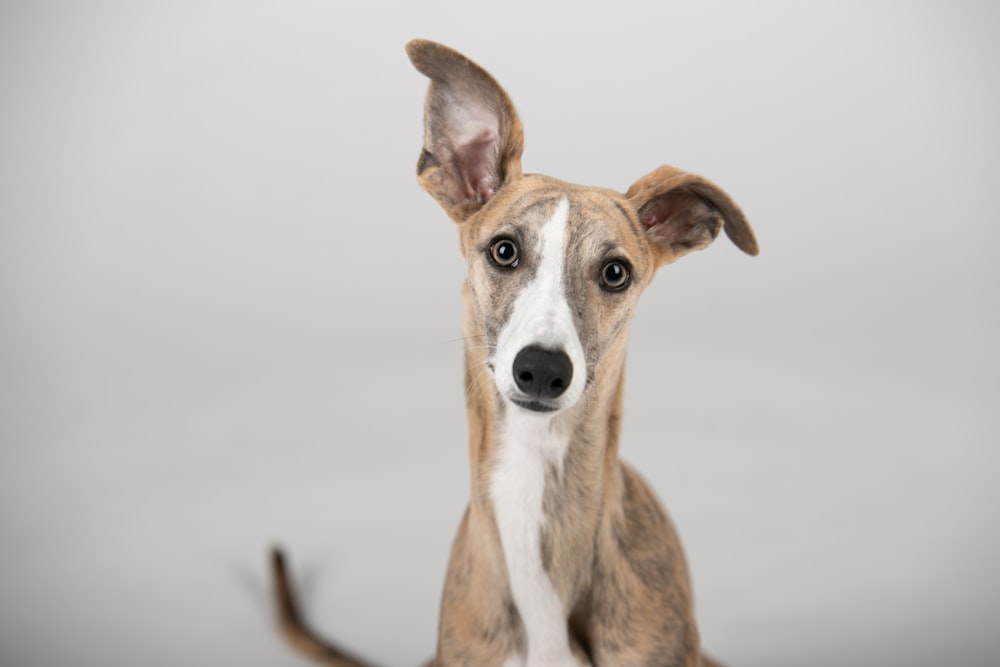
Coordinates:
<point>542,373</point>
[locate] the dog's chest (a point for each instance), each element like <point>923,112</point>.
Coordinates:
<point>527,450</point>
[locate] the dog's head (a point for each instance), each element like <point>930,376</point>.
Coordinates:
<point>555,269</point>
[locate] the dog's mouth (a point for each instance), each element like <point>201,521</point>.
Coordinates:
<point>534,405</point>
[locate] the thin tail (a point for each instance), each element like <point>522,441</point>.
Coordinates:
<point>298,634</point>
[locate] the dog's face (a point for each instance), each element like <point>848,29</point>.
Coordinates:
<point>554,275</point>
<point>555,269</point>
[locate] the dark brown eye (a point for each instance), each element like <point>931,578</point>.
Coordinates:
<point>503,253</point>
<point>615,276</point>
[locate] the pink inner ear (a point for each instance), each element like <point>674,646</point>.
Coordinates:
<point>667,206</point>
<point>680,218</point>
<point>475,159</point>
<point>473,131</point>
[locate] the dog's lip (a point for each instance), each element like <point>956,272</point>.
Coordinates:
<point>533,405</point>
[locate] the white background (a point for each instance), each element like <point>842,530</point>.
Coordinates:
<point>230,318</point>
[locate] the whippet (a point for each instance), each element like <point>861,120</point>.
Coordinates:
<point>564,557</point>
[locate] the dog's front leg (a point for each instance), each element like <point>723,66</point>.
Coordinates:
<point>641,612</point>
<point>479,624</point>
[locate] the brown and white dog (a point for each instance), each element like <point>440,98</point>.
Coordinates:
<point>564,557</point>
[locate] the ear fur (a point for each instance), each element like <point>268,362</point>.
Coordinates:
<point>472,136</point>
<point>683,212</point>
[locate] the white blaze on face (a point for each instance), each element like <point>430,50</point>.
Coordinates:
<point>541,315</point>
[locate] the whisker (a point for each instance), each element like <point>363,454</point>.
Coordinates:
<point>481,347</point>
<point>463,338</point>
<point>481,379</point>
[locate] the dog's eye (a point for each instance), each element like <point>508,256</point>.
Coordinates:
<point>503,253</point>
<point>615,276</point>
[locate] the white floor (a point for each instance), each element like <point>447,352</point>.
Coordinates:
<point>230,318</point>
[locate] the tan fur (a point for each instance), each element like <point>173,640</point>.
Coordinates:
<point>607,546</point>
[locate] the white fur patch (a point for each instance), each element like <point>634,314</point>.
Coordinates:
<point>541,315</point>
<point>527,446</point>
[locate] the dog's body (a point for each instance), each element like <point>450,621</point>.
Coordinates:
<point>564,557</point>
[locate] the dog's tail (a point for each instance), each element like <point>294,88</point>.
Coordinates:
<point>298,634</point>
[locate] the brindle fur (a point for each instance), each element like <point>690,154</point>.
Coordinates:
<point>607,545</point>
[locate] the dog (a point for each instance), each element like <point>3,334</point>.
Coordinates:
<point>564,557</point>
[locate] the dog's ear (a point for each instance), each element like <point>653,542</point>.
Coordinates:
<point>682,212</point>
<point>472,136</point>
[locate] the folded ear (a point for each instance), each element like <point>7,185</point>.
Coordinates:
<point>472,136</point>
<point>683,212</point>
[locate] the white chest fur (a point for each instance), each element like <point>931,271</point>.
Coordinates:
<point>527,447</point>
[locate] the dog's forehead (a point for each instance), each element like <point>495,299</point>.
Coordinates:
<point>594,215</point>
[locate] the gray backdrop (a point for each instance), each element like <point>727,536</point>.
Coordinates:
<point>230,318</point>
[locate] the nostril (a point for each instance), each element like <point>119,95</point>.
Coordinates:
<point>525,377</point>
